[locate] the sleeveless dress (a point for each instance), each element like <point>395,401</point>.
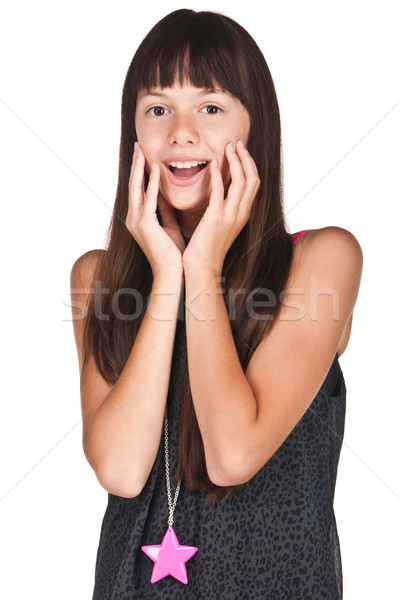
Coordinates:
<point>275,539</point>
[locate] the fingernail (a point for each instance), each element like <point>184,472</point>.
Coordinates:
<point>214,163</point>
<point>240,143</point>
<point>135,147</point>
<point>231,148</point>
<point>153,166</point>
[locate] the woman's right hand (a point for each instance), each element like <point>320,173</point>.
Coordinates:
<point>162,245</point>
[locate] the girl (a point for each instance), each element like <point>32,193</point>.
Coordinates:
<point>212,398</point>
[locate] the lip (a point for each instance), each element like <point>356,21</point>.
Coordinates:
<point>183,158</point>
<point>184,182</point>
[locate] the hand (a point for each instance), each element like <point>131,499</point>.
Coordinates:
<point>223,219</point>
<point>162,245</point>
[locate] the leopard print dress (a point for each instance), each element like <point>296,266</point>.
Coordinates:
<point>275,539</point>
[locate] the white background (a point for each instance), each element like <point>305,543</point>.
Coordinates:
<point>335,68</point>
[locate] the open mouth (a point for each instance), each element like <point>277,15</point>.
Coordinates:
<point>186,170</point>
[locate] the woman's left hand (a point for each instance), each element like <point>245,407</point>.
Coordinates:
<point>224,218</point>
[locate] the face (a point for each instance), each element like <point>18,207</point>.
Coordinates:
<point>184,123</point>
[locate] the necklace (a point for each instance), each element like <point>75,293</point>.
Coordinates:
<point>169,557</point>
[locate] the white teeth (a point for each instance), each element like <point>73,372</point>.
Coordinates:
<point>187,164</point>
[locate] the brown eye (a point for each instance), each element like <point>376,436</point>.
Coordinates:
<point>212,110</point>
<point>159,111</point>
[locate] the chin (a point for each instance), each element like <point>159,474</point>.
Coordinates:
<point>186,200</point>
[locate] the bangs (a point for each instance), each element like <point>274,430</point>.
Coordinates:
<point>198,50</point>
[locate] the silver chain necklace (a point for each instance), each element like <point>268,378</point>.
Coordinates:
<point>169,557</point>
<point>171,506</point>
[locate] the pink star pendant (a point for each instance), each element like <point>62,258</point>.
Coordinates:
<point>169,558</point>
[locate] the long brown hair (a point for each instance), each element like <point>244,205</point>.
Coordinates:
<point>204,48</point>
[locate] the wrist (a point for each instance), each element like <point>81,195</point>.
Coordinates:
<point>173,275</point>
<point>165,296</point>
<point>201,281</point>
<point>201,273</point>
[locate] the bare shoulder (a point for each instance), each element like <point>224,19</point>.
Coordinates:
<point>330,242</point>
<point>84,267</point>
<point>328,251</point>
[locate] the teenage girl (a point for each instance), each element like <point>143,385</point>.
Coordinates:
<point>208,339</point>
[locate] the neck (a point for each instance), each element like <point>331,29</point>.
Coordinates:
<point>188,220</point>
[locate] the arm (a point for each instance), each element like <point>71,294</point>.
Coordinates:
<point>245,417</point>
<point>224,402</point>
<point>122,424</point>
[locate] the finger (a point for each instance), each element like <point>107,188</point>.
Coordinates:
<point>249,166</point>
<point>134,161</point>
<point>237,187</point>
<point>150,199</point>
<point>136,178</point>
<point>252,182</point>
<point>217,186</point>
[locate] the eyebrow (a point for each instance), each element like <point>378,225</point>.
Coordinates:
<point>203,92</point>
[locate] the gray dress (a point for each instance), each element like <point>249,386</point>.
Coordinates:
<point>275,539</point>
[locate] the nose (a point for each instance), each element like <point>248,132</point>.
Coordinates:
<point>183,130</point>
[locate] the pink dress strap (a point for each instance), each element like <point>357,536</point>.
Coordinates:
<point>297,236</point>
